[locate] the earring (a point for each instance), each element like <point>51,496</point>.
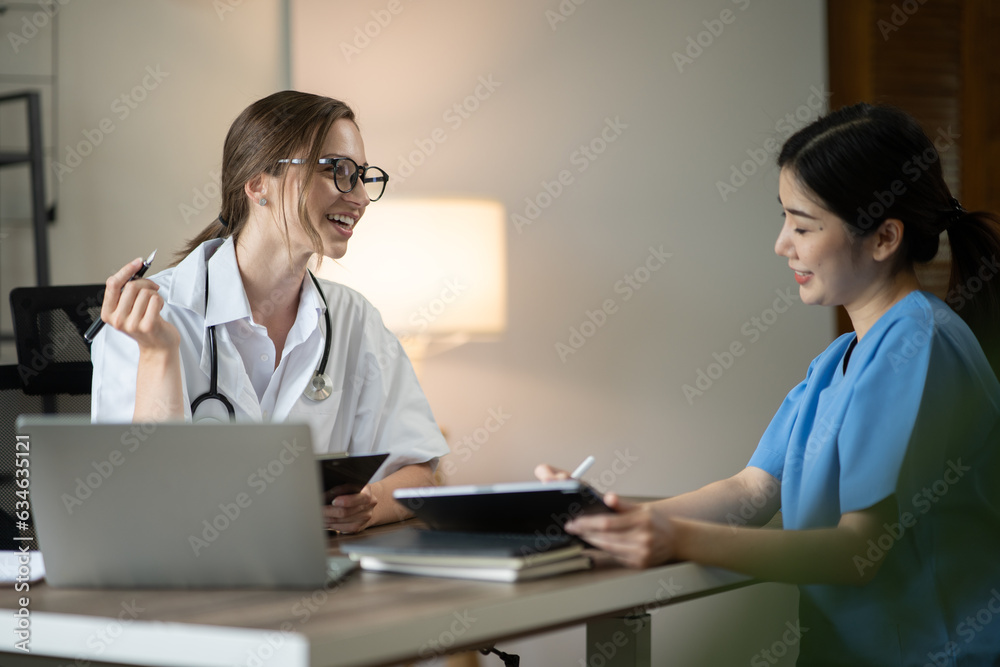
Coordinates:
<point>263,201</point>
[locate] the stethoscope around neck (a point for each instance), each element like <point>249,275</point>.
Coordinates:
<point>319,385</point>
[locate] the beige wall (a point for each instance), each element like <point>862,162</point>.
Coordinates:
<point>676,134</point>
<point>678,131</point>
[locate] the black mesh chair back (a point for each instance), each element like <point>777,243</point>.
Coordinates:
<point>49,323</point>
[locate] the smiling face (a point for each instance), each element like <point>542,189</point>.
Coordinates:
<point>333,214</point>
<point>830,268</point>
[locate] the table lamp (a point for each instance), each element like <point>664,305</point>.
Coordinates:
<point>434,267</point>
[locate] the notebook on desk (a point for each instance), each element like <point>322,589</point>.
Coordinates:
<point>496,532</point>
<point>177,505</point>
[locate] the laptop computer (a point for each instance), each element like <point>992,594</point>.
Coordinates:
<point>176,505</point>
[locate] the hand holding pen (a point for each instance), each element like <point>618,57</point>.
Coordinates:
<point>110,291</point>
<point>547,473</point>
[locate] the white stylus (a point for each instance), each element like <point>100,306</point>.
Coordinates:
<point>583,467</point>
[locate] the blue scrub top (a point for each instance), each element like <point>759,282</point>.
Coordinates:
<point>915,415</point>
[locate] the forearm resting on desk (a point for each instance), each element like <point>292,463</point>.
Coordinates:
<point>388,510</point>
<point>750,497</point>
<point>816,556</point>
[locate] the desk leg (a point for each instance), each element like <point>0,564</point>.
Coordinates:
<point>623,641</point>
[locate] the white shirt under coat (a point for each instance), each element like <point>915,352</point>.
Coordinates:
<point>376,404</point>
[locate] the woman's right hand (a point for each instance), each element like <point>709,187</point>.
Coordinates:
<point>133,307</point>
<point>547,473</point>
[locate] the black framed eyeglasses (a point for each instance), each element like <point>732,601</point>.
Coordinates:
<point>347,173</point>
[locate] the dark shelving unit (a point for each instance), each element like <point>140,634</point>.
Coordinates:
<point>34,158</point>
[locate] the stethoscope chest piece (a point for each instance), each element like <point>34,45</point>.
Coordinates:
<point>319,387</point>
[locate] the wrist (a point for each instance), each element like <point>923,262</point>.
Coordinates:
<point>158,357</point>
<point>684,532</point>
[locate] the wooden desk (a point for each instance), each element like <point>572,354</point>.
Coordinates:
<point>368,619</point>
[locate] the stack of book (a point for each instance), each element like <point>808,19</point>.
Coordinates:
<point>485,556</point>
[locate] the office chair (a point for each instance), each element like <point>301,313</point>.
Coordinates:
<point>52,376</point>
<point>49,323</point>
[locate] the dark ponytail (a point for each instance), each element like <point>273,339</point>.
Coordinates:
<point>869,163</point>
<point>974,285</point>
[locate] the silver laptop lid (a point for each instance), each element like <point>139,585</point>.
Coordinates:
<point>176,505</point>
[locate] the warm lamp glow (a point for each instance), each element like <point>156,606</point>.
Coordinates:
<point>435,268</point>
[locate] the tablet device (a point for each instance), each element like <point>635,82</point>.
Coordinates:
<point>523,507</point>
<point>351,472</point>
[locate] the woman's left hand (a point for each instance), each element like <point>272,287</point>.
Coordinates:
<point>350,513</point>
<point>635,535</point>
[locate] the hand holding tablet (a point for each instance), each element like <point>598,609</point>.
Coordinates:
<point>343,474</point>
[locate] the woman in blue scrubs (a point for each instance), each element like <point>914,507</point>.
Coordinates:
<point>885,460</point>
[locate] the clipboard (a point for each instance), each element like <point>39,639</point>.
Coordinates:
<point>351,472</point>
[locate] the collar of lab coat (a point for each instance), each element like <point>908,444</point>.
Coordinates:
<point>227,302</point>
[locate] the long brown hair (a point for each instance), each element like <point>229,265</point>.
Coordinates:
<point>284,125</point>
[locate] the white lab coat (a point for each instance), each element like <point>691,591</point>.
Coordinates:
<point>376,404</point>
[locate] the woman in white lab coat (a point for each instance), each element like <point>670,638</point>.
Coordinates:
<point>295,181</point>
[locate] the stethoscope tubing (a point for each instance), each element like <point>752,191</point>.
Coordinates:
<point>318,388</point>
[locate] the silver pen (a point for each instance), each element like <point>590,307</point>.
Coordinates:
<point>98,324</point>
<point>583,467</point>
